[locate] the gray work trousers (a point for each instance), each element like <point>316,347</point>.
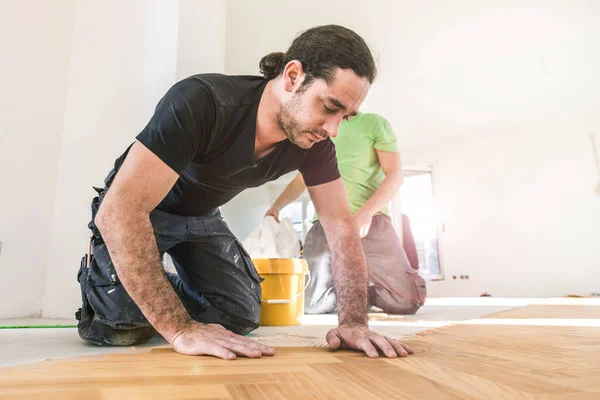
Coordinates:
<point>394,286</point>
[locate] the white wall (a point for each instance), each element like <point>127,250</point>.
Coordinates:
<point>245,211</point>
<point>35,42</point>
<point>450,74</point>
<point>257,28</point>
<point>201,37</point>
<point>202,30</point>
<point>521,213</point>
<point>504,97</point>
<point>448,69</point>
<point>122,62</point>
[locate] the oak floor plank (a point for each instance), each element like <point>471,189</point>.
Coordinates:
<point>463,361</point>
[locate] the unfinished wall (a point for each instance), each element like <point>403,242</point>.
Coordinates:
<point>35,42</point>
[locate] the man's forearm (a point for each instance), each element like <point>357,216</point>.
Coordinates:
<point>131,244</point>
<point>350,273</point>
<point>384,193</point>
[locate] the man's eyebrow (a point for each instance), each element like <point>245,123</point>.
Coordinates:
<point>336,103</point>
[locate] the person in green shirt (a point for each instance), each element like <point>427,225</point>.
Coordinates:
<point>370,166</point>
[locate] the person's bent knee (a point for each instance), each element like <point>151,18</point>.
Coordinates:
<point>241,318</point>
<point>400,309</point>
<point>240,325</point>
<point>100,334</point>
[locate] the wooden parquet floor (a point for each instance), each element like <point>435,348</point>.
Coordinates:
<point>457,362</point>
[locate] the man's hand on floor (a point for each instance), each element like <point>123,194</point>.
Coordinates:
<point>214,340</point>
<point>359,337</point>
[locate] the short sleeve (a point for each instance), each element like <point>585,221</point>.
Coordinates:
<point>181,124</point>
<point>384,136</point>
<point>320,165</point>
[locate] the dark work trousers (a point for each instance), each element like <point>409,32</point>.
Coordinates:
<point>216,280</point>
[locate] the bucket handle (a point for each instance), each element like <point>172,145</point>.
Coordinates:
<point>287,301</point>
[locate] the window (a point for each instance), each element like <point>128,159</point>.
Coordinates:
<point>416,201</point>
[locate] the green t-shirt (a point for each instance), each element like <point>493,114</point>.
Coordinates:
<point>355,147</point>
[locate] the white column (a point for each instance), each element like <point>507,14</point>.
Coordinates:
<point>123,60</point>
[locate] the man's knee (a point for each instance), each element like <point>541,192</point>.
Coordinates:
<point>100,334</point>
<point>240,311</point>
<point>402,309</point>
<point>109,303</point>
<point>241,325</point>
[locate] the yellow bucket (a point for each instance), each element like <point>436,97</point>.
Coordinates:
<point>282,290</point>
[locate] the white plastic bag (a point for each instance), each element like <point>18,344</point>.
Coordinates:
<point>273,240</point>
<point>287,242</point>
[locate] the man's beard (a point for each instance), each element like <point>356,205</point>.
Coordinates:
<point>290,126</point>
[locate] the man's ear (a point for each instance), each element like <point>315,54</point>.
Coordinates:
<point>293,75</point>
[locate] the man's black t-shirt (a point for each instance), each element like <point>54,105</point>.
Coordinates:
<point>204,128</point>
